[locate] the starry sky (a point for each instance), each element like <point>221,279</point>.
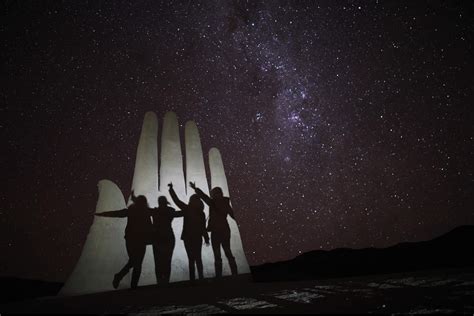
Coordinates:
<point>340,123</point>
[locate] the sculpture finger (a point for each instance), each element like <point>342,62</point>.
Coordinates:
<point>171,163</point>
<point>216,166</point>
<point>171,170</point>
<point>145,177</point>
<point>195,169</point>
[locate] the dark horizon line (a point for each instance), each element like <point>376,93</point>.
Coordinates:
<point>467,226</point>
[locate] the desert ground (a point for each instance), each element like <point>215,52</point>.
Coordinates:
<point>434,291</point>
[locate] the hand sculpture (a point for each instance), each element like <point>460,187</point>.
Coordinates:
<point>104,250</point>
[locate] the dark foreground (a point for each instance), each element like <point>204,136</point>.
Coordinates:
<point>442,291</point>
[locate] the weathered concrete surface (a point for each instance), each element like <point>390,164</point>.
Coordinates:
<point>104,251</point>
<point>195,169</point>
<point>145,177</point>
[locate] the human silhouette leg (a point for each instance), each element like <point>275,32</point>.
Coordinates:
<point>163,256</point>
<point>156,256</point>
<point>123,272</point>
<point>190,253</point>
<point>160,263</point>
<point>126,268</point>
<point>198,257</point>
<point>229,255</point>
<point>138,253</point>
<point>137,270</point>
<point>167,260</point>
<point>216,249</point>
<point>194,251</point>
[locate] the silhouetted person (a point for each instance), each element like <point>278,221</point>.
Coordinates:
<point>194,230</point>
<point>163,238</point>
<point>219,208</point>
<point>137,235</point>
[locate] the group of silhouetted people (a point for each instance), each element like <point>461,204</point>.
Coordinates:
<point>142,231</point>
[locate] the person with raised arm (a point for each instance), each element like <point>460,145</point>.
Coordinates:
<point>163,238</point>
<point>219,208</point>
<point>194,230</point>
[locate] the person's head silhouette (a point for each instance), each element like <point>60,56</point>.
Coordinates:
<point>216,193</point>
<point>195,202</point>
<point>163,201</point>
<point>140,201</point>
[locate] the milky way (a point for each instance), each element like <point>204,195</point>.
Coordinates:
<point>341,124</point>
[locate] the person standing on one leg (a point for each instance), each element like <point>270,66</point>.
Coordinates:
<point>137,235</point>
<point>219,208</point>
<point>194,230</point>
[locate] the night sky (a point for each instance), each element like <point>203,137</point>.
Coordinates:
<point>341,124</point>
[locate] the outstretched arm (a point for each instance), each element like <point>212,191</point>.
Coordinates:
<point>178,214</point>
<point>173,213</point>
<point>119,213</point>
<point>203,196</point>
<point>134,198</point>
<point>175,198</point>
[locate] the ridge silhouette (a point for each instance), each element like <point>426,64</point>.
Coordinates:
<point>449,250</point>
